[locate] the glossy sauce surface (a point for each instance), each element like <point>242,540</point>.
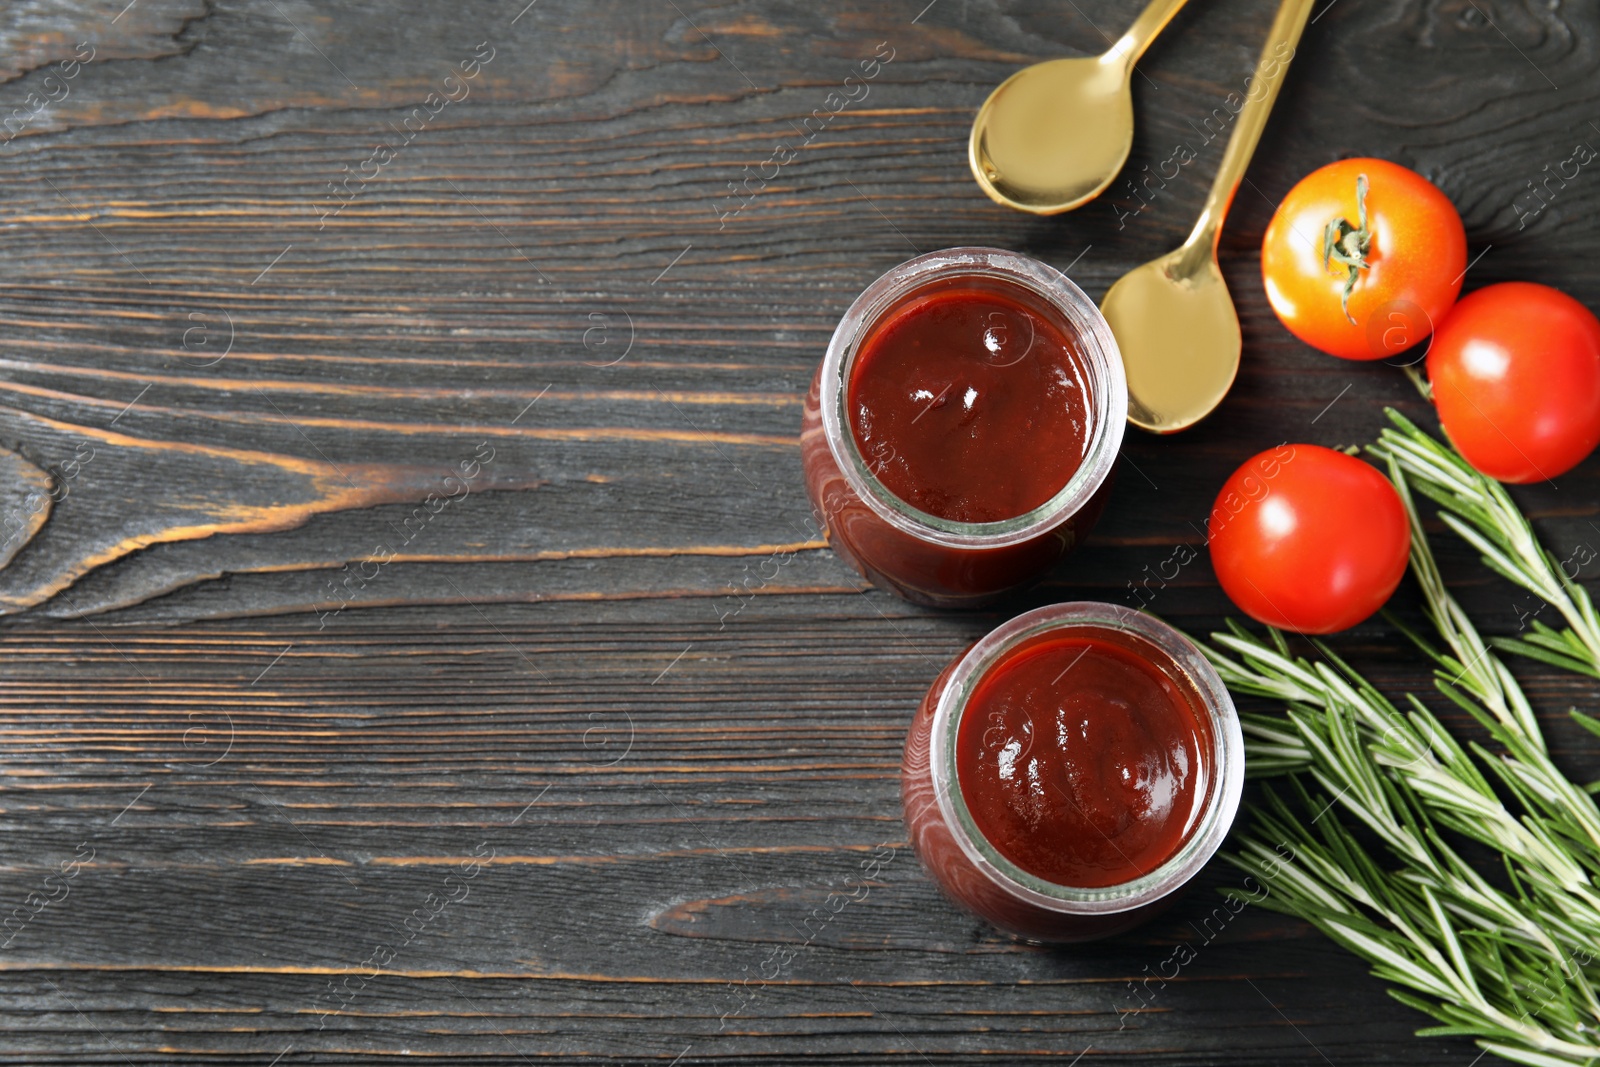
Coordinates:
<point>969,404</point>
<point>1080,760</point>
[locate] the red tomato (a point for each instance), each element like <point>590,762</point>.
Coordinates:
<point>1516,376</point>
<point>1401,253</point>
<point>1308,539</point>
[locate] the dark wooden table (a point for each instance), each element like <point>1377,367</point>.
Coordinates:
<point>559,760</point>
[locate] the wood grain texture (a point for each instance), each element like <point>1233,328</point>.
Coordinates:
<point>272,684</point>
<point>26,500</point>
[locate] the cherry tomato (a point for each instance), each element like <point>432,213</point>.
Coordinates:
<point>1516,376</point>
<point>1308,539</point>
<point>1363,258</point>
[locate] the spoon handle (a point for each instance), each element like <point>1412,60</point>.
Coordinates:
<point>1261,92</point>
<point>1151,21</point>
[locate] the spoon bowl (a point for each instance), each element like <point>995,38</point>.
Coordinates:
<point>1179,336</point>
<point>1052,136</point>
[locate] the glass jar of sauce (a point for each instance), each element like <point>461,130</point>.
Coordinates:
<point>960,434</point>
<point>1069,773</point>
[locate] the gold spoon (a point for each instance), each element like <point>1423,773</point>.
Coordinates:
<point>1055,134</point>
<point>1173,318</point>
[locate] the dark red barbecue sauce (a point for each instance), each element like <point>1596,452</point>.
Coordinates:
<point>1080,760</point>
<point>969,404</point>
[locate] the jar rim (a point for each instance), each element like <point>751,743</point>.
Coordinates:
<point>1107,393</point>
<point>1226,759</point>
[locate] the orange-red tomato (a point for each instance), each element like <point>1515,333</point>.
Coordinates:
<point>1413,246</point>
<point>1308,539</point>
<point>1515,369</point>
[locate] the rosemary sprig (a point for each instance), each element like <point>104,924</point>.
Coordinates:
<point>1513,966</point>
<point>1481,512</point>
